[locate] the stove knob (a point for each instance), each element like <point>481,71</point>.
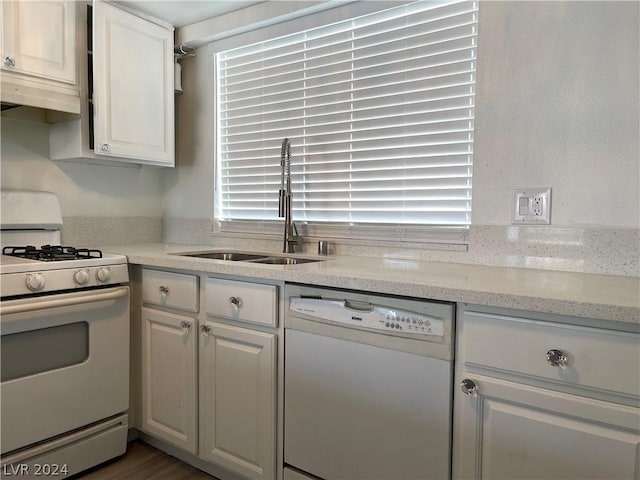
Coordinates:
<point>81,277</point>
<point>103,274</point>
<point>35,282</point>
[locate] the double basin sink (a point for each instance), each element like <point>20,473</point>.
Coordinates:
<point>250,257</point>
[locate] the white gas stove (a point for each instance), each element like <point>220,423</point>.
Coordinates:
<point>26,270</point>
<point>34,262</point>
<point>64,318</point>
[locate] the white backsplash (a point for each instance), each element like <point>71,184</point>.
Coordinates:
<point>589,250</point>
<point>611,251</point>
<point>90,231</point>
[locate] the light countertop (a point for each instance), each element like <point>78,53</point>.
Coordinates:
<point>602,297</point>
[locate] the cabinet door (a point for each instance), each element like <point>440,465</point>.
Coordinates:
<point>169,400</point>
<point>512,431</point>
<point>237,399</point>
<point>133,87</point>
<point>38,38</point>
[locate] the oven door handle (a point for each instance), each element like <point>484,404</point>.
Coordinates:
<point>65,302</point>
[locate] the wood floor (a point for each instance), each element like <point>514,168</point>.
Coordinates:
<point>143,462</point>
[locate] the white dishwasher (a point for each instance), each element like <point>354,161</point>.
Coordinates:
<point>368,386</point>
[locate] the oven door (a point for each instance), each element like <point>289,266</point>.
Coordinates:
<point>65,363</point>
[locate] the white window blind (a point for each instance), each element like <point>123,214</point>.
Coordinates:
<point>379,110</point>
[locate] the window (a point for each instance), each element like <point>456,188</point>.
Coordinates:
<point>379,110</point>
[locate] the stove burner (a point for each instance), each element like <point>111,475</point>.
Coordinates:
<point>51,253</point>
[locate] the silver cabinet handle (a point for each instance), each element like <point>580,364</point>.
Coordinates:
<point>9,62</point>
<point>205,330</point>
<point>556,358</point>
<point>105,148</point>
<point>235,301</point>
<point>163,290</point>
<point>468,387</point>
<point>186,326</point>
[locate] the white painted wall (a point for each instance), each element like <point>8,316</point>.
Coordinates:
<point>84,190</point>
<point>557,106</point>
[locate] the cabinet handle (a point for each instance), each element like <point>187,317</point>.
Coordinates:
<point>186,326</point>
<point>205,330</point>
<point>9,61</point>
<point>468,387</point>
<point>164,291</point>
<point>557,358</point>
<point>235,301</point>
<point>105,148</point>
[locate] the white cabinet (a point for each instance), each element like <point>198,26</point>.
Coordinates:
<point>544,400</point>
<point>209,370</point>
<point>38,38</point>
<point>238,377</point>
<point>169,289</point>
<point>133,87</point>
<point>169,400</point>
<point>39,54</point>
<point>238,399</point>
<point>242,301</point>
<point>512,431</point>
<point>133,92</point>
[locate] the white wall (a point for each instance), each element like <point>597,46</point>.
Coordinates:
<point>557,106</point>
<point>84,190</point>
<point>189,186</point>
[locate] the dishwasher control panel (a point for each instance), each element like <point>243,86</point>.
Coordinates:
<point>368,315</point>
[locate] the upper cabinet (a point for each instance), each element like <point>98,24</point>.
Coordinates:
<point>39,54</point>
<point>48,54</point>
<point>127,88</point>
<point>133,86</point>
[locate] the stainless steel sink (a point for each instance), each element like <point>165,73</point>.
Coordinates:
<point>285,260</point>
<point>229,256</point>
<point>250,257</point>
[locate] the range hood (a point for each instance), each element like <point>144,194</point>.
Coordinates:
<point>55,105</point>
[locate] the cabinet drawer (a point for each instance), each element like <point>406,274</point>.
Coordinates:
<point>244,301</point>
<point>596,359</point>
<point>174,290</point>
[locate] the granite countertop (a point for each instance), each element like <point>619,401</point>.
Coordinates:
<point>601,297</point>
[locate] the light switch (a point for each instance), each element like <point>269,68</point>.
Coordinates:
<point>523,206</point>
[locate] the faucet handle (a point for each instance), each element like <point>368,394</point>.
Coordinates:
<point>281,203</point>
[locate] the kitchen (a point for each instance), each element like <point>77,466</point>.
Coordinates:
<point>570,124</point>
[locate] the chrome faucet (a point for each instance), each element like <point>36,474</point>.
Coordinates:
<point>284,205</point>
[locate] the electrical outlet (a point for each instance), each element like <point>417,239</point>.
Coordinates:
<point>537,206</point>
<point>532,206</point>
